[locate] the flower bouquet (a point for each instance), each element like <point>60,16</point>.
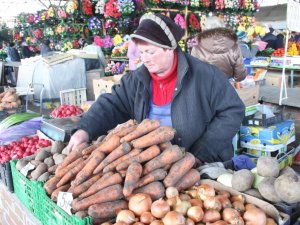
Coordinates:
<point>179,20</point>
<point>120,50</point>
<point>48,32</point>
<point>194,25</point>
<point>99,7</point>
<point>111,9</point>
<point>61,13</point>
<point>105,43</point>
<point>72,7</point>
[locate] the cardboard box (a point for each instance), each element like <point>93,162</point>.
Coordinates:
<point>90,76</point>
<point>270,210</point>
<point>274,80</point>
<point>104,84</point>
<point>249,95</point>
<point>268,139</point>
<point>83,54</point>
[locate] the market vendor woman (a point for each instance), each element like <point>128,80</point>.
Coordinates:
<point>181,91</point>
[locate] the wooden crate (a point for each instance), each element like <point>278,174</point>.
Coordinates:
<point>249,95</point>
<point>104,84</point>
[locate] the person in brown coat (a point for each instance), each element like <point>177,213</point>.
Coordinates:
<point>218,46</point>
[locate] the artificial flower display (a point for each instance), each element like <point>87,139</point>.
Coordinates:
<point>72,6</point>
<point>126,7</point>
<point>219,4</point>
<point>95,24</point>
<point>99,8</point>
<point>62,13</point>
<point>48,32</point>
<point>87,8</point>
<point>180,20</point>
<point>50,12</point>
<point>38,33</point>
<point>120,50</point>
<point>111,9</point>
<point>231,4</point>
<point>194,24</point>
<point>117,39</point>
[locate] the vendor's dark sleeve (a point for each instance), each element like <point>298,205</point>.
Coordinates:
<point>216,142</point>
<point>109,110</point>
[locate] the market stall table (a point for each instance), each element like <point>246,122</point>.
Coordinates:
<point>62,76</point>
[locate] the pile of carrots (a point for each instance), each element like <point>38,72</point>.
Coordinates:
<point>132,158</point>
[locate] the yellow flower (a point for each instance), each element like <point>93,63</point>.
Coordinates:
<point>117,39</point>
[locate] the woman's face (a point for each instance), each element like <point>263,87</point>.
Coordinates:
<point>157,60</point>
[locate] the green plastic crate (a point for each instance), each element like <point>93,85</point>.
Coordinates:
<point>25,189</point>
<point>49,213</point>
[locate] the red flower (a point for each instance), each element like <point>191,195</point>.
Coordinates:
<point>194,23</point>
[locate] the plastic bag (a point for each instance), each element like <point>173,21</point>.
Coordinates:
<point>16,132</point>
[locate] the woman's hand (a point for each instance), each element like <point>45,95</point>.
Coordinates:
<point>78,138</point>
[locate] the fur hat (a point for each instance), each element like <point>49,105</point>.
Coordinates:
<point>158,30</point>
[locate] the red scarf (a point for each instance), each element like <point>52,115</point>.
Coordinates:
<point>163,87</point>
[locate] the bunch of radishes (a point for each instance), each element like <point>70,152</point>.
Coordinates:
<point>19,149</point>
<point>66,111</point>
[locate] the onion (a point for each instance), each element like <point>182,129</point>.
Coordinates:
<point>225,202</point>
<point>271,221</point>
<point>255,216</point>
<point>239,206</point>
<point>140,203</point>
<point>184,197</point>
<point>120,223</point>
<point>205,190</point>
<point>171,192</point>
<point>195,213</point>
<point>238,198</point>
<point>192,193</point>
<point>196,202</point>
<point>225,193</point>
<point>174,218</point>
<point>137,223</point>
<point>219,222</point>
<point>157,222</point>
<point>146,217</point>
<point>211,216</point>
<point>126,216</point>
<point>182,207</point>
<point>212,202</point>
<point>189,222</point>
<point>231,216</point>
<point>160,208</point>
<point>172,201</point>
<point>249,206</point>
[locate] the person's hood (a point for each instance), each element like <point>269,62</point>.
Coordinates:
<point>218,40</point>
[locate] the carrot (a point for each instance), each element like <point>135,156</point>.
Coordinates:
<point>123,149</point>
<point>154,175</point>
<point>71,174</point>
<point>50,185</point>
<point>112,166</point>
<point>90,149</point>
<point>132,177</point>
<point>125,131</point>
<point>120,127</point>
<point>107,210</point>
<point>108,194</point>
<point>102,183</point>
<point>75,154</point>
<point>155,190</point>
<point>122,173</point>
<point>93,161</point>
<point>165,145</point>
<point>168,156</point>
<point>109,145</point>
<point>179,169</point>
<point>167,167</point>
<point>100,139</point>
<point>77,190</point>
<point>188,180</point>
<point>143,128</point>
<point>144,156</point>
<point>54,194</point>
<point>158,136</point>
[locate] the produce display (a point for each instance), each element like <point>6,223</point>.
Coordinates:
<point>197,205</point>
<point>44,162</point>
<point>132,158</point>
<point>19,149</point>
<point>66,111</point>
<point>278,52</point>
<point>9,99</point>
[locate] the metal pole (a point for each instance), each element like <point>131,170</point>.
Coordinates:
<point>283,81</point>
